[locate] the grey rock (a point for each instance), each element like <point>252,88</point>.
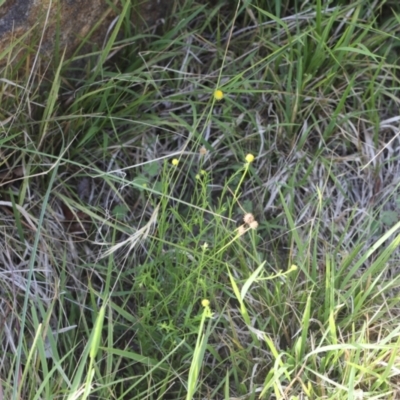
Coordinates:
<point>65,22</point>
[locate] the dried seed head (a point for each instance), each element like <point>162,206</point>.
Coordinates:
<point>248,218</point>
<point>241,230</point>
<point>202,151</point>
<point>253,225</point>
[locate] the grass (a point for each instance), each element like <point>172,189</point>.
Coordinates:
<point>146,255</point>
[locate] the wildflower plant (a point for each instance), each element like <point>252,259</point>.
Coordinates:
<point>292,249</point>
<point>242,173</point>
<point>198,354</point>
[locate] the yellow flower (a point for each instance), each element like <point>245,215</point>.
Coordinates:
<point>249,158</point>
<point>293,268</point>
<point>205,303</point>
<point>218,94</point>
<point>175,162</point>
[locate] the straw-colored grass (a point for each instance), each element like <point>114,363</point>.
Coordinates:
<point>207,213</point>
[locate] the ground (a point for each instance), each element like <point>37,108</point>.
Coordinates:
<point>207,210</point>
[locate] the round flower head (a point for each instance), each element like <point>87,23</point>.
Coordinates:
<point>205,302</point>
<point>175,162</point>
<point>241,230</point>
<point>249,158</point>
<point>203,151</point>
<point>218,94</point>
<point>253,225</point>
<point>248,218</point>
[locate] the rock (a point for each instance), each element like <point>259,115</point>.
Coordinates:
<point>66,23</point>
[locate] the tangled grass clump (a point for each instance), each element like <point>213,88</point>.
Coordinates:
<point>160,242</point>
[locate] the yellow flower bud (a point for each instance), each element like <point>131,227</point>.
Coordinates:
<point>205,303</point>
<point>218,94</point>
<point>249,158</point>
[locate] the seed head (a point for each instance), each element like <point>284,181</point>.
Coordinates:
<point>248,218</point>
<point>253,225</point>
<point>202,151</point>
<point>241,230</point>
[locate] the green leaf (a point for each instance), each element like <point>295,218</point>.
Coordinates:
<point>361,49</point>
<point>389,218</point>
<point>152,169</point>
<point>141,182</point>
<point>120,211</point>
